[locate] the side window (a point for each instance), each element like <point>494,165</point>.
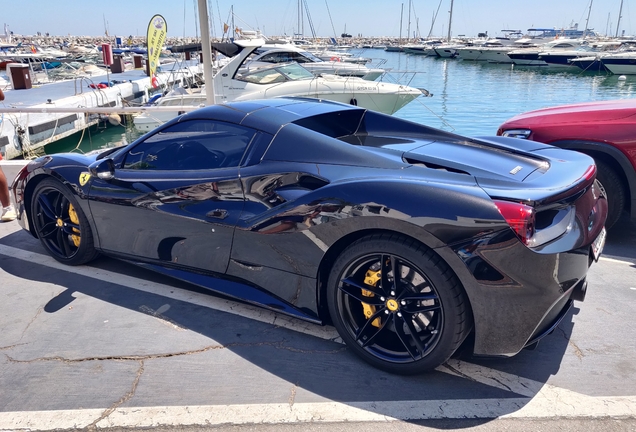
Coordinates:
<point>271,58</point>
<point>191,145</point>
<point>299,58</point>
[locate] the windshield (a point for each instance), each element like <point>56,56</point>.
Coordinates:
<point>276,74</point>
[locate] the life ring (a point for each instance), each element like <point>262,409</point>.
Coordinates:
<point>335,59</point>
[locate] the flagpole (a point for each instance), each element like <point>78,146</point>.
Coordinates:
<point>207,52</point>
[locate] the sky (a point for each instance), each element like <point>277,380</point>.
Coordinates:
<point>280,17</point>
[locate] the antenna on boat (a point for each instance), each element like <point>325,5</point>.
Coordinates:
<point>206,48</point>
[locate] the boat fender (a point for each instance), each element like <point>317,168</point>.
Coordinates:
<point>114,119</point>
<point>353,101</point>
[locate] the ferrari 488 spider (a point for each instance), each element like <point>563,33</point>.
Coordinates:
<point>411,241</point>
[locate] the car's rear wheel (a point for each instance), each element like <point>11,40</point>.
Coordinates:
<point>406,324</point>
<point>60,224</point>
<point>616,194</point>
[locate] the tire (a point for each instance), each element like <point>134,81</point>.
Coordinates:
<point>408,328</point>
<point>616,195</point>
<point>60,224</point>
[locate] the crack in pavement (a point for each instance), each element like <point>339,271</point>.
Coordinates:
<point>577,350</point>
<point>277,345</point>
<point>40,309</point>
<point>125,398</point>
<point>13,346</point>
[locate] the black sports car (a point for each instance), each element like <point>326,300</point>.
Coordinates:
<point>408,239</point>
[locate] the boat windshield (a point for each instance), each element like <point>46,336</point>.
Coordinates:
<point>276,74</point>
<point>182,100</point>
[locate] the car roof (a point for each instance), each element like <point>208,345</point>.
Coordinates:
<point>268,115</point>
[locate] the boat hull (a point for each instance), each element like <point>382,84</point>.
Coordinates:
<point>625,66</point>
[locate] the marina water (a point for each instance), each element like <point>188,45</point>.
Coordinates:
<point>469,98</point>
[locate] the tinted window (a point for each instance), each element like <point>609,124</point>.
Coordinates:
<point>191,145</point>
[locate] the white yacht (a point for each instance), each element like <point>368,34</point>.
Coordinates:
<point>623,63</point>
<point>236,82</point>
<point>448,50</point>
<point>268,54</point>
<point>530,56</point>
<point>492,50</point>
<point>426,48</point>
<point>594,62</point>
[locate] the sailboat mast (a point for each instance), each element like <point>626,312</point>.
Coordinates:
<point>408,27</point>
<point>620,13</point>
<point>401,15</point>
<point>300,22</point>
<point>450,20</point>
<point>588,18</point>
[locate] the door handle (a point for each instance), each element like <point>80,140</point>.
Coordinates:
<point>217,214</point>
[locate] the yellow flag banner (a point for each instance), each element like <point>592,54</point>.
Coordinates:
<point>156,37</point>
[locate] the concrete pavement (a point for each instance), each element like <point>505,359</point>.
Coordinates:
<point>111,345</point>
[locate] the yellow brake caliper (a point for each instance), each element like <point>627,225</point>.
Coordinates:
<point>72,214</point>
<point>371,278</point>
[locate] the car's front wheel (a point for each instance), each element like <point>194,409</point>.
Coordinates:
<point>60,224</point>
<point>397,305</point>
<point>616,195</point>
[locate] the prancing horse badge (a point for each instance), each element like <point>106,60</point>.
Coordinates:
<point>84,178</point>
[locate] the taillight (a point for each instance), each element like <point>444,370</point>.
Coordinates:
<point>520,217</point>
<point>590,173</point>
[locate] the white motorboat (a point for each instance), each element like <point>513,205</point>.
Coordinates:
<point>236,82</point>
<point>530,56</point>
<point>594,62</point>
<point>562,58</point>
<point>493,51</point>
<point>448,50</point>
<point>426,48</point>
<point>340,56</point>
<point>289,53</point>
<point>149,120</point>
<point>623,63</point>
<point>291,79</point>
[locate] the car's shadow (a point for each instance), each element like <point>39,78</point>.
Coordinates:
<point>321,367</point>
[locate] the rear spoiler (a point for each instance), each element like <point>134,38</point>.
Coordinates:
<point>567,173</point>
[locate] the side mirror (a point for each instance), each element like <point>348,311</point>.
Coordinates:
<point>103,169</point>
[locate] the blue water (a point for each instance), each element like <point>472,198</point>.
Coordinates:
<point>469,98</point>
<point>474,98</point>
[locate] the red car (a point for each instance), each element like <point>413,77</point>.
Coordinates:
<point>603,130</point>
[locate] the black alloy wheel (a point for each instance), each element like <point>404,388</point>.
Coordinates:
<point>397,304</point>
<point>60,224</point>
